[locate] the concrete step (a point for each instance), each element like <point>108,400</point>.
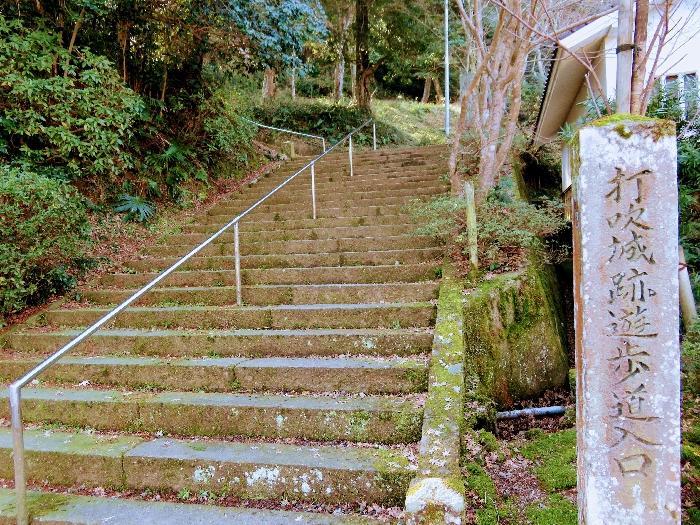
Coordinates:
<point>226,343</point>
<point>373,315</point>
<point>360,162</point>
<point>329,188</point>
<point>348,203</point>
<point>297,213</point>
<point>273,294</point>
<point>280,233</point>
<point>377,256</point>
<point>234,374</point>
<point>326,183</point>
<point>300,246</point>
<point>424,271</point>
<point>371,419</point>
<point>68,509</point>
<point>246,470</point>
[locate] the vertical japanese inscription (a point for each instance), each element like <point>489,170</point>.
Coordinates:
<point>631,329</point>
<point>627,355</point>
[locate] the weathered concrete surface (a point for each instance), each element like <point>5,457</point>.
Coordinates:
<point>280,317</point>
<point>57,509</point>
<point>250,343</point>
<point>61,458</point>
<point>370,419</point>
<point>250,470</point>
<point>369,375</point>
<point>275,294</point>
<point>626,289</point>
<point>515,337</point>
<point>436,495</point>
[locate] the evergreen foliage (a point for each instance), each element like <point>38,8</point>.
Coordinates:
<point>43,233</point>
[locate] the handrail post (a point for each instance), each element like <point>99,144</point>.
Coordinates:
<point>313,188</point>
<point>324,144</point>
<point>350,155</point>
<point>18,455</point>
<point>237,257</point>
<point>374,135</point>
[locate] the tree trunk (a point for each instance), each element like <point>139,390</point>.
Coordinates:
<point>438,91</point>
<point>639,70</point>
<point>362,53</point>
<point>73,36</point>
<point>339,78</point>
<point>625,26</point>
<point>164,86</point>
<point>294,84</point>
<point>426,91</point>
<point>353,80</point>
<point>123,39</point>
<point>269,83</point>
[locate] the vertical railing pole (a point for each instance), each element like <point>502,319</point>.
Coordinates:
<point>313,188</point>
<point>237,257</point>
<point>324,145</point>
<point>18,453</point>
<point>350,154</point>
<point>374,135</point>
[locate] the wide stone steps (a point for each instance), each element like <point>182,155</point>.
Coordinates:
<point>349,203</point>
<point>299,246</point>
<point>335,235</point>
<point>227,343</point>
<point>255,470</point>
<point>311,234</point>
<point>408,181</point>
<point>273,294</point>
<point>369,419</point>
<point>86,510</point>
<point>406,188</point>
<point>396,375</point>
<point>372,315</point>
<point>320,275</point>
<point>295,260</point>
<point>311,391</point>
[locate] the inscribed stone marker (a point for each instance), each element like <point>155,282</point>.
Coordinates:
<point>625,204</point>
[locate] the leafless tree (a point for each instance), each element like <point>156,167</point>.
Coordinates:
<point>500,34</point>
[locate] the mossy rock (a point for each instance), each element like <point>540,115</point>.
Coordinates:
<point>514,335</point>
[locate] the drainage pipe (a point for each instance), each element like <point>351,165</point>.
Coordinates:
<point>536,411</point>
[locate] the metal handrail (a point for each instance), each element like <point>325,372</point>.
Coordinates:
<point>15,389</point>
<point>323,140</point>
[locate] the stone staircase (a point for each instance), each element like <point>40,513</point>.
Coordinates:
<point>311,391</point>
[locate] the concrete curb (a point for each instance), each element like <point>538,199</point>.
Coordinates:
<point>436,495</point>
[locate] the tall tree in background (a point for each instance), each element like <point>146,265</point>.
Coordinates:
<point>340,16</point>
<point>278,31</point>
<point>364,71</point>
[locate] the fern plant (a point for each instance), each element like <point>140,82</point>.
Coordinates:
<point>135,208</point>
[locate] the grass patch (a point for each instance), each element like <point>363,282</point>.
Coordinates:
<point>554,456</point>
<point>556,511</point>
<point>423,123</point>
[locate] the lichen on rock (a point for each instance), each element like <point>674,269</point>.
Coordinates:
<point>514,337</point>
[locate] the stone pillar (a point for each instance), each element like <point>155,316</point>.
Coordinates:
<point>625,213</point>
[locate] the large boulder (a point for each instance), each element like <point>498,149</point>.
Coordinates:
<point>514,335</point>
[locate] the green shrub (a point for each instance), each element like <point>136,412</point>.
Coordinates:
<point>507,227</point>
<point>691,360</point>
<point>43,231</point>
<point>225,133</point>
<point>64,115</point>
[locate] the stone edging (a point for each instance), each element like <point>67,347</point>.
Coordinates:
<point>436,495</point>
